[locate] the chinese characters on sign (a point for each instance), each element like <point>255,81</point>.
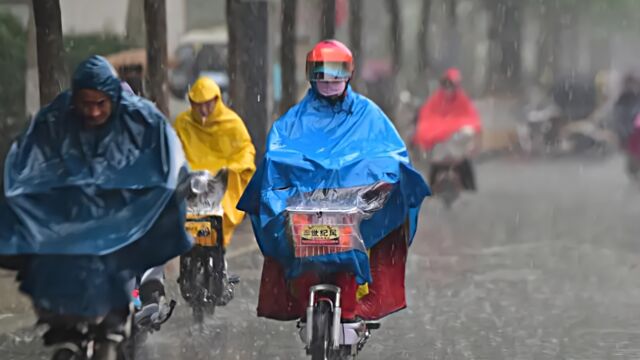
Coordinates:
<point>320,234</point>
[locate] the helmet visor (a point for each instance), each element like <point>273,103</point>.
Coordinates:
<point>328,71</point>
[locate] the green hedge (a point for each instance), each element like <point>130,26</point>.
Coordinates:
<point>12,68</point>
<point>79,47</point>
<point>12,81</point>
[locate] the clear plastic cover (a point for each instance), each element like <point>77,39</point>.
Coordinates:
<point>205,199</point>
<point>318,232</point>
<point>325,222</point>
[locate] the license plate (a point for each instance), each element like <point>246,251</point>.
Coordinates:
<point>320,235</point>
<point>202,232</point>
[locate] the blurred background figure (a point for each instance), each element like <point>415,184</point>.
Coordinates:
<point>448,126</point>
<point>627,108</point>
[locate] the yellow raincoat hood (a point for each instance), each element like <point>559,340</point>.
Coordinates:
<point>223,141</point>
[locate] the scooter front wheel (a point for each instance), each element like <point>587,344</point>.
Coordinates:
<point>66,354</point>
<point>320,340</point>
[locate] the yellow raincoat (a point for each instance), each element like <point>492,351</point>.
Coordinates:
<point>221,142</point>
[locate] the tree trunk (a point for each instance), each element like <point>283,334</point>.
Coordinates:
<point>452,6</point>
<point>511,65</point>
<point>505,33</point>
<point>396,34</point>
<point>249,25</point>
<point>155,15</point>
<point>389,103</point>
<point>494,8</point>
<point>52,72</point>
<point>288,55</point>
<point>328,19</point>
<point>355,37</point>
<point>423,36</point>
<point>452,37</point>
<point>548,43</point>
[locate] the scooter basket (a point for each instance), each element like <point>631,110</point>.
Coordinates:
<point>316,232</point>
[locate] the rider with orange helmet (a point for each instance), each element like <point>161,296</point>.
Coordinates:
<point>334,141</point>
<point>330,68</point>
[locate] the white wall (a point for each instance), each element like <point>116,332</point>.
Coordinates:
<point>110,16</point>
<point>176,22</point>
<point>94,16</point>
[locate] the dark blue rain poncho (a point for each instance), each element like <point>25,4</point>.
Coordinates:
<point>91,208</point>
<point>320,145</point>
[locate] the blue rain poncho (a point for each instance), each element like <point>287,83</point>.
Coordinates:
<point>322,145</point>
<point>91,208</point>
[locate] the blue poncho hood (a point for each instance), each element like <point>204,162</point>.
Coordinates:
<point>320,144</point>
<point>98,202</point>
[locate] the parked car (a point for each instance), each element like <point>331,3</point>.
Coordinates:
<point>200,52</point>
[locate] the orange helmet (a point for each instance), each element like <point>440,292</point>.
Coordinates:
<point>453,75</point>
<point>329,60</point>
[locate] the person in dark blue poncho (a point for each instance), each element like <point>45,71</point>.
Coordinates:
<point>334,141</point>
<point>91,199</point>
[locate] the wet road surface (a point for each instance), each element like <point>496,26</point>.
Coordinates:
<point>541,264</point>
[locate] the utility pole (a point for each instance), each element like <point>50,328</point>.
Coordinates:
<point>52,73</point>
<point>328,19</point>
<point>155,16</point>
<point>396,55</point>
<point>396,34</point>
<point>423,37</point>
<point>248,24</point>
<point>505,36</point>
<point>453,38</point>
<point>355,37</point>
<point>288,55</point>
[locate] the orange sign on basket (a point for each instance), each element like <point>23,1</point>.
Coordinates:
<point>316,240</point>
<point>202,233</point>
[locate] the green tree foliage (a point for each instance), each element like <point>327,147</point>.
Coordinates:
<point>12,69</point>
<point>12,81</point>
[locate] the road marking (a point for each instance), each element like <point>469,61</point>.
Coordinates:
<point>4,316</point>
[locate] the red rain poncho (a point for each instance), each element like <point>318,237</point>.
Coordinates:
<point>443,115</point>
